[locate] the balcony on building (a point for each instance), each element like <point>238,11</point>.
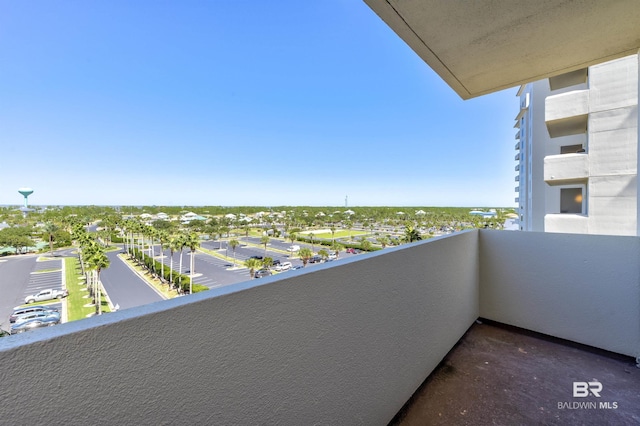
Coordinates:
<point>517,146</point>
<point>567,113</point>
<point>566,168</point>
<point>350,342</point>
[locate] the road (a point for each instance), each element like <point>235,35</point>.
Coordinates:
<point>124,287</point>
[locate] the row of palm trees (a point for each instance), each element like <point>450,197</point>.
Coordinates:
<point>93,260</point>
<point>139,241</point>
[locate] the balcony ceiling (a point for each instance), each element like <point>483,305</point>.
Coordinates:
<point>479,47</point>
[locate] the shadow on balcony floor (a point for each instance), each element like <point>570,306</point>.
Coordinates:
<point>500,375</point>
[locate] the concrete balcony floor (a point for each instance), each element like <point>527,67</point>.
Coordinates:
<point>501,375</point>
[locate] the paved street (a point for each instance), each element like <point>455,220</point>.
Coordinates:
<point>124,287</point>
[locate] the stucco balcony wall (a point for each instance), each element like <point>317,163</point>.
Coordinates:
<point>346,342</point>
<point>341,343</point>
<point>566,223</point>
<point>582,288</point>
<point>566,168</point>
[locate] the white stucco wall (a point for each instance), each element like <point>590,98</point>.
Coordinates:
<point>583,288</point>
<point>342,344</point>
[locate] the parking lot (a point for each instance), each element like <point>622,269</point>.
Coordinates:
<point>21,276</point>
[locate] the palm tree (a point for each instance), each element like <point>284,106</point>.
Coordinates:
<point>267,262</point>
<point>98,261</point>
<point>333,232</point>
<point>163,237</point>
<point>311,237</point>
<point>411,234</point>
<point>323,254</point>
<point>305,254</point>
<point>174,245</point>
<point>265,240</point>
<point>193,242</point>
<point>252,264</point>
<point>383,241</point>
<point>234,243</point>
<point>337,247</point>
<point>50,228</point>
<point>181,243</point>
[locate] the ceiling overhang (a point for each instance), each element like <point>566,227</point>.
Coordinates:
<point>482,46</point>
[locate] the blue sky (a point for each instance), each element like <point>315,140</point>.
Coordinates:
<point>237,103</point>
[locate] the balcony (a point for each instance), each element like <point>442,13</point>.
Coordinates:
<point>566,168</point>
<point>569,223</point>
<point>347,342</point>
<point>567,114</point>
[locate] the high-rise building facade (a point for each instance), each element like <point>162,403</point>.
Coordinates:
<point>576,151</point>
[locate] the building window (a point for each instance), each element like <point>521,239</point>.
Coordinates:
<point>571,200</point>
<point>571,149</point>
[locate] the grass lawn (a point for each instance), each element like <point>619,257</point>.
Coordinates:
<point>77,289</point>
<point>339,234</point>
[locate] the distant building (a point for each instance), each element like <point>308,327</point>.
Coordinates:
<point>576,151</point>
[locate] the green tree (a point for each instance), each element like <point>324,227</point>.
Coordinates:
<point>97,262</point>
<point>50,230</point>
<point>337,248</point>
<point>265,240</point>
<point>233,244</point>
<point>252,264</point>
<point>193,242</point>
<point>163,237</point>
<point>175,244</point>
<point>383,241</point>
<point>305,254</point>
<point>411,234</point>
<point>181,242</point>
<point>267,262</point>
<point>323,254</point>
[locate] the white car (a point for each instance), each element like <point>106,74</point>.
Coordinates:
<point>284,266</point>
<point>48,294</point>
<point>294,248</point>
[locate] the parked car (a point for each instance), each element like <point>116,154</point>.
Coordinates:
<point>294,248</point>
<point>284,266</point>
<point>256,257</point>
<point>21,327</point>
<point>30,310</point>
<point>48,294</point>
<point>276,262</point>
<point>332,256</point>
<point>352,250</point>
<point>39,316</point>
<point>315,259</point>
<point>263,273</point>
